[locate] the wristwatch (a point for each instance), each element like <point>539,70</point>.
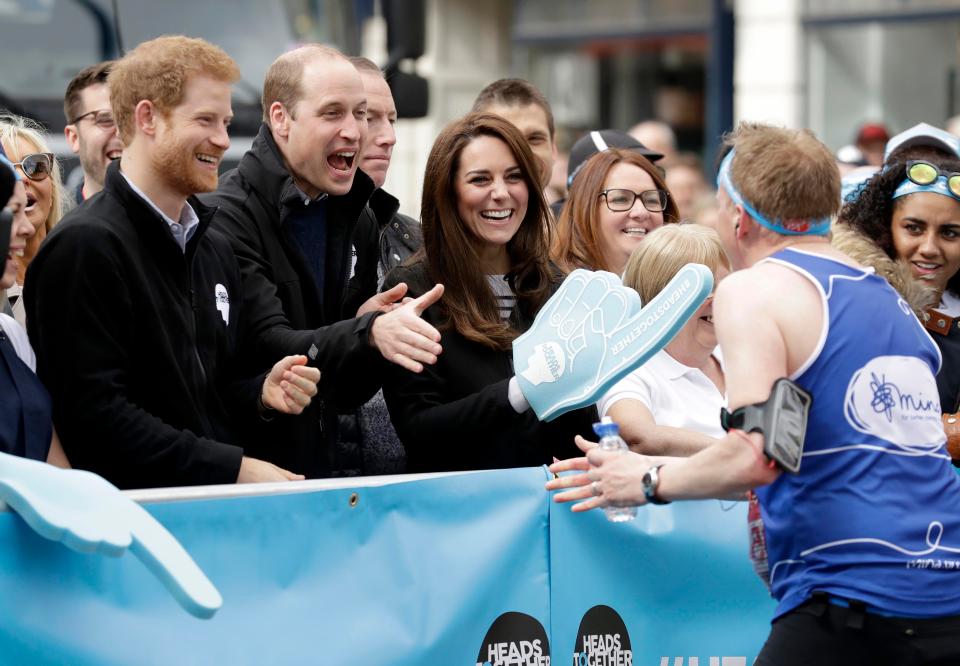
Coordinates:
<point>650,483</point>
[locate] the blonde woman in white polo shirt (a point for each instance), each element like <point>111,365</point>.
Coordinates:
<point>681,389</point>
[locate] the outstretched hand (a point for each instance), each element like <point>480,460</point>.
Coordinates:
<point>90,515</point>
<point>386,301</point>
<point>290,386</point>
<point>606,478</point>
<point>403,337</point>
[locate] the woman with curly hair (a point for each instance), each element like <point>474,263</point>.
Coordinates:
<point>906,224</point>
<point>485,238</point>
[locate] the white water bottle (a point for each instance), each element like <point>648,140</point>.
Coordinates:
<point>609,434</point>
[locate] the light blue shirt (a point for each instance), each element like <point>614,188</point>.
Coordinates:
<point>183,229</point>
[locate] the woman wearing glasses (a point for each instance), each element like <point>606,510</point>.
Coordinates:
<point>616,200</point>
<point>26,147</point>
<point>906,224</point>
<point>485,238</point>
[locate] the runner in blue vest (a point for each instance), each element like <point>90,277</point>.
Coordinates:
<point>863,541</point>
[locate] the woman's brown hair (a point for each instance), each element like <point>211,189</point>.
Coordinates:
<point>577,243</point>
<point>450,247</point>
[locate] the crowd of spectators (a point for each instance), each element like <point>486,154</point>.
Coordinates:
<point>283,320</point>
<point>329,269</point>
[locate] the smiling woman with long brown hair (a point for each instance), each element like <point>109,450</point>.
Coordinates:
<point>486,234</point>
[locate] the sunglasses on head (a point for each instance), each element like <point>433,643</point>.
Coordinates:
<point>37,166</point>
<point>924,173</point>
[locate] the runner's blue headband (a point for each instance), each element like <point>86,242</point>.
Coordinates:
<point>814,227</point>
<point>939,186</point>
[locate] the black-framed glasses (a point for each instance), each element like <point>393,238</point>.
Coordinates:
<point>101,118</point>
<point>620,201</point>
<point>36,166</point>
<point>924,173</point>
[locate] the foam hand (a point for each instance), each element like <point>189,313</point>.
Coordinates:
<point>88,514</point>
<point>593,331</point>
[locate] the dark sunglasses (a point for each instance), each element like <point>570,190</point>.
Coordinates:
<point>102,119</point>
<point>924,173</point>
<point>37,166</point>
<point>620,201</point>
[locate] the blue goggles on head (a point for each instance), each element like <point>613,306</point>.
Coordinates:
<point>812,227</point>
<point>923,176</point>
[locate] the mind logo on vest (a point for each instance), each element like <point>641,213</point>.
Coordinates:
<point>895,398</point>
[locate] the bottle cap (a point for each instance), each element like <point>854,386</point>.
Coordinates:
<point>606,428</point>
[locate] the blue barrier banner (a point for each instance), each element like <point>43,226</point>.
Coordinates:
<point>674,587</point>
<point>445,570</point>
<point>476,569</point>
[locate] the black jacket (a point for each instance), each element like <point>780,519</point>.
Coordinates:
<point>255,200</point>
<point>456,415</point>
<point>384,238</point>
<point>137,357</point>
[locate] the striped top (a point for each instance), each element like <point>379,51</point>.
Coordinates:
<point>503,294</point>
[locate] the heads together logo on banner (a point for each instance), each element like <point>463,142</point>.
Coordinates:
<point>602,639</point>
<point>515,639</point>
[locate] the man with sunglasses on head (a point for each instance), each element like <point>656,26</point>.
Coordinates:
<point>91,131</point>
<point>860,506</point>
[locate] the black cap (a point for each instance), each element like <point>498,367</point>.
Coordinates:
<point>600,140</point>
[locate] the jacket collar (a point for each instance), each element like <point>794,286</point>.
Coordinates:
<point>116,184</point>
<point>384,206</point>
<point>263,167</point>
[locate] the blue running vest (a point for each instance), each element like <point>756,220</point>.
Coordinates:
<point>874,513</point>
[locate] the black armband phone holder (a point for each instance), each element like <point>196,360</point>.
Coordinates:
<point>781,419</point>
